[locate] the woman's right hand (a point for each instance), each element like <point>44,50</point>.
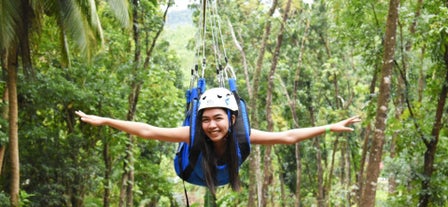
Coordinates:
<point>91,119</point>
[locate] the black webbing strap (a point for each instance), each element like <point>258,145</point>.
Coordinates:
<point>186,195</point>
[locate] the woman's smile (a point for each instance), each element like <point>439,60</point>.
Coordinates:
<point>215,123</point>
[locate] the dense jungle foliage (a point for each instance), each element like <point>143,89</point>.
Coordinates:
<point>327,60</point>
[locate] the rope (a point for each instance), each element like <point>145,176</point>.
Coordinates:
<point>215,7</point>
<point>204,32</point>
<point>215,39</point>
<point>211,18</point>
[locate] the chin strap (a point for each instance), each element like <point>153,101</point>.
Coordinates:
<point>229,130</point>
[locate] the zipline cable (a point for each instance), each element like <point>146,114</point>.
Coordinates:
<point>218,20</point>
<point>210,18</point>
<point>204,33</point>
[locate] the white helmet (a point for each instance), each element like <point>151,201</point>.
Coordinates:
<point>218,98</point>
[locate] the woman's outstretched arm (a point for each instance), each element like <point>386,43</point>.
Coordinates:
<point>143,130</point>
<point>296,135</point>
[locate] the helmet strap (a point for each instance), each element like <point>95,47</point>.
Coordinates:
<point>230,121</point>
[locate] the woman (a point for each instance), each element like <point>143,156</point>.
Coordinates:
<point>217,113</point>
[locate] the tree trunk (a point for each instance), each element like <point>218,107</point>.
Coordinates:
<point>292,105</point>
<point>243,57</point>
<point>294,111</point>
<point>150,48</point>
<point>360,176</point>
<point>127,181</point>
<point>4,111</point>
<point>329,179</point>
<point>298,174</point>
<point>267,156</point>
<point>11,63</point>
<point>128,176</point>
<point>255,192</point>
<point>431,144</point>
<point>373,167</point>
<point>402,90</point>
<point>283,195</point>
<point>347,173</point>
<point>107,172</point>
<point>421,76</point>
<point>320,172</point>
<point>267,176</point>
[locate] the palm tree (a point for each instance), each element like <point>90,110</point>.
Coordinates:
<point>76,19</point>
<point>10,31</point>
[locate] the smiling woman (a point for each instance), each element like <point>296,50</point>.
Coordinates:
<point>216,142</point>
<point>219,152</point>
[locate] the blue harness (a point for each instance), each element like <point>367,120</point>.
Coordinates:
<point>187,161</point>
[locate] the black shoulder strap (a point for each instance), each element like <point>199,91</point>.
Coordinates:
<point>242,128</point>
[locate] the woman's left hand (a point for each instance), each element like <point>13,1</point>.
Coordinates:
<point>342,126</point>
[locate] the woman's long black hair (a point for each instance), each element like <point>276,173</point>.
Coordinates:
<point>209,159</point>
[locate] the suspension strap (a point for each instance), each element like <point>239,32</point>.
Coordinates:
<point>186,195</point>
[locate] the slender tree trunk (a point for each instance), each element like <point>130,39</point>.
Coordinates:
<point>243,57</point>
<point>11,62</point>
<point>255,193</point>
<point>431,144</point>
<point>320,172</point>
<point>283,195</point>
<point>267,176</point>
<point>298,174</point>
<point>373,167</point>
<point>127,181</point>
<point>421,76</point>
<point>294,110</point>
<point>329,179</point>
<point>4,110</point>
<point>316,142</point>
<point>323,190</point>
<point>267,156</point>
<point>107,173</point>
<point>128,175</point>
<point>361,175</point>
<point>292,105</point>
<point>365,146</point>
<point>348,173</point>
<point>151,47</point>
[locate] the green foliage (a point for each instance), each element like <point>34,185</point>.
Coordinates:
<point>62,159</point>
<point>48,125</point>
<point>62,156</point>
<point>4,199</point>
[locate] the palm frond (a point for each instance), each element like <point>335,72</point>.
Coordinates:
<point>120,8</point>
<point>10,22</point>
<point>95,21</point>
<point>80,20</point>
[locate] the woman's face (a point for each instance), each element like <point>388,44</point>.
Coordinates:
<point>215,123</point>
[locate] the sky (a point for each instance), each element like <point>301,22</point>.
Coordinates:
<point>181,4</point>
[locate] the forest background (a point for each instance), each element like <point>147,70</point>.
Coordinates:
<point>298,64</point>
